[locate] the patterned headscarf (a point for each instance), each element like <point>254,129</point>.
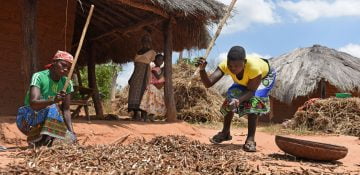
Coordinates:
<point>62,55</point>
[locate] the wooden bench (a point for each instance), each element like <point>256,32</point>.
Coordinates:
<point>84,102</point>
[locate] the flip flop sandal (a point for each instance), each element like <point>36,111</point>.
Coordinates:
<point>220,137</point>
<point>250,146</point>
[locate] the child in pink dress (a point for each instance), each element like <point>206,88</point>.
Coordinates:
<point>153,100</point>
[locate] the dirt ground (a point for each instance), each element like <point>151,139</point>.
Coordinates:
<point>107,132</point>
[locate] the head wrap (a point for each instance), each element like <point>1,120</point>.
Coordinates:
<point>61,55</point>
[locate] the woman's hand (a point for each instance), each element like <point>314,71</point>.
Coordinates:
<point>234,103</point>
<point>201,63</point>
<point>60,97</point>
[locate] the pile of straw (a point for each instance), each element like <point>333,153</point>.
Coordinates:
<point>194,103</point>
<point>332,115</point>
<point>120,104</point>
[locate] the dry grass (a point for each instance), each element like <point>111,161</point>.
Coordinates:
<point>278,129</point>
<point>194,102</point>
<point>333,115</point>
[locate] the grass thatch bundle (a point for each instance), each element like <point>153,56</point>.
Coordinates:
<point>161,155</point>
<point>194,103</point>
<point>120,104</point>
<point>332,115</point>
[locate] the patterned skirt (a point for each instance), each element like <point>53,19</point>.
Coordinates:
<point>259,104</point>
<point>153,101</point>
<point>137,86</point>
<point>36,124</point>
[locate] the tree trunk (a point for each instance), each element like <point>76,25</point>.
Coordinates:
<point>169,92</point>
<point>78,76</point>
<point>113,84</point>
<point>180,56</point>
<point>92,84</point>
<point>29,62</point>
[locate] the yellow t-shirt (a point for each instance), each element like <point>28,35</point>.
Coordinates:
<point>254,67</point>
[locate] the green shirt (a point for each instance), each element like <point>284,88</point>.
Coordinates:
<point>48,87</point>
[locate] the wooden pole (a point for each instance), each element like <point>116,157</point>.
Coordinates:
<point>322,88</point>
<point>29,63</point>
<point>92,82</point>
<point>113,83</point>
<point>79,48</point>
<point>180,56</point>
<point>168,89</point>
<point>217,33</point>
<point>78,76</point>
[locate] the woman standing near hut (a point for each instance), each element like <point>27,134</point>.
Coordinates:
<point>253,79</point>
<point>140,77</point>
<point>153,101</point>
<point>41,119</point>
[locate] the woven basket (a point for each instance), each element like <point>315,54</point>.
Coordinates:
<point>310,150</point>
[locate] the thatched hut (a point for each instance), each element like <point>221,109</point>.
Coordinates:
<point>117,25</point>
<point>311,72</point>
<point>306,73</point>
<point>37,31</point>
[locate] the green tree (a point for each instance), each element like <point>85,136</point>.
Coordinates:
<point>190,61</point>
<point>105,74</point>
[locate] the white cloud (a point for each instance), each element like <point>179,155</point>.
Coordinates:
<point>124,76</point>
<point>248,12</point>
<point>259,55</point>
<point>221,57</point>
<point>310,10</point>
<point>352,49</point>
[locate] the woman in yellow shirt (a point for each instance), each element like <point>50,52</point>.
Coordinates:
<point>253,79</point>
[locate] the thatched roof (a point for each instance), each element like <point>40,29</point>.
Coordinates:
<point>117,25</point>
<point>299,72</point>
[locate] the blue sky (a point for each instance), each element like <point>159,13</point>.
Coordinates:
<point>270,28</point>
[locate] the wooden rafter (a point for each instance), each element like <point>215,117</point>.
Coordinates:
<point>108,12</point>
<point>145,7</point>
<point>134,17</point>
<point>135,27</point>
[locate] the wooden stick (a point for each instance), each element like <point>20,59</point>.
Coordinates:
<point>79,48</point>
<point>121,140</point>
<point>217,33</point>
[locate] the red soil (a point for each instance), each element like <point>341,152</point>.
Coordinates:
<point>107,132</point>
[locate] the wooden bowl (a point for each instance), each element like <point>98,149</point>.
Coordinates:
<point>310,150</point>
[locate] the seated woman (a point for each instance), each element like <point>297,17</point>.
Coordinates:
<point>153,100</point>
<point>42,119</point>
